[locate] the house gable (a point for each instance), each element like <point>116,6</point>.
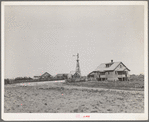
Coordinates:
<point>121,67</point>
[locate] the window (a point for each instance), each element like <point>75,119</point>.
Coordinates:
<point>107,65</point>
<point>109,73</point>
<point>102,73</point>
<point>120,73</point>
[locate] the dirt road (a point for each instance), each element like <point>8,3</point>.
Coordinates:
<point>56,97</point>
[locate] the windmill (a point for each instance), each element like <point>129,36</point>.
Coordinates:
<point>78,71</point>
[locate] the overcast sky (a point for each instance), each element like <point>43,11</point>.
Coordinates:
<point>42,39</point>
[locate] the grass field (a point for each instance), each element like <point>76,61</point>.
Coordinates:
<point>121,85</point>
<point>60,97</point>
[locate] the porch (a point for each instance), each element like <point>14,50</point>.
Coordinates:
<point>122,75</point>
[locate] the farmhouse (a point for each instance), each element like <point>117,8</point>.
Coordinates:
<point>110,71</point>
<point>45,76</point>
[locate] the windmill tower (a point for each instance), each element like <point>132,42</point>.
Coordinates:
<point>78,71</point>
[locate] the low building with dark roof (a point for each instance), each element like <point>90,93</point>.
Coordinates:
<point>36,77</point>
<point>61,76</point>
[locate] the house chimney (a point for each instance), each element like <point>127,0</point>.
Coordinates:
<point>111,61</point>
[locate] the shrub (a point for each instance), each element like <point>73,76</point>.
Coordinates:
<point>82,79</point>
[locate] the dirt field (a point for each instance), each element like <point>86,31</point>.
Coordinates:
<point>58,97</point>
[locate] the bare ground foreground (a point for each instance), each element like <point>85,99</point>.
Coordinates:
<point>58,97</point>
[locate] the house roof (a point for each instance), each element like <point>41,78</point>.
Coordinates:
<point>102,67</point>
<point>91,73</point>
<point>46,74</point>
<point>61,75</point>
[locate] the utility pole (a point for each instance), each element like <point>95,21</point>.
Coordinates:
<point>78,71</point>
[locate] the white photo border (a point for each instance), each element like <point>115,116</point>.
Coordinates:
<point>72,116</point>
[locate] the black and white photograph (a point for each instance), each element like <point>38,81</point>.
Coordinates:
<point>74,60</point>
